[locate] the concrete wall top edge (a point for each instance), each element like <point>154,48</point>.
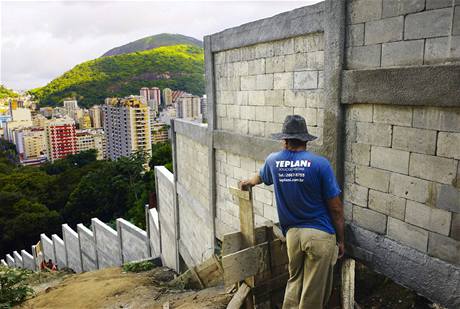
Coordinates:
<point>45,238</point>
<point>194,130</point>
<point>57,238</point>
<point>68,229</point>
<point>96,222</point>
<point>82,228</point>
<point>128,225</point>
<point>162,171</point>
<point>307,19</point>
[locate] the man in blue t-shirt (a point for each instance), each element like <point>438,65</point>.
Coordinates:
<point>310,214</point>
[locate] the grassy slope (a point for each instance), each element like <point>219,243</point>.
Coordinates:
<point>176,67</point>
<point>5,92</point>
<point>154,41</point>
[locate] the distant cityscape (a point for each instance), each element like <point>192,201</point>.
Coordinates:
<point>119,127</point>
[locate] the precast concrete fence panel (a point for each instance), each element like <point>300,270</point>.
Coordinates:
<point>28,260</point>
<point>72,248</point>
<point>133,241</point>
<point>107,244</point>
<point>18,262</point>
<point>154,232</point>
<point>59,251</point>
<point>87,247</point>
<point>47,248</point>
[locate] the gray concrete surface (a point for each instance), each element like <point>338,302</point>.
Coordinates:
<point>133,241</point>
<point>72,248</point>
<point>88,248</point>
<point>107,244</point>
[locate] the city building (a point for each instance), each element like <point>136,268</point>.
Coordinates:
<point>95,113</point>
<point>84,122</point>
<point>127,126</point>
<point>91,139</point>
<point>188,107</point>
<point>159,133</point>
<point>60,138</point>
<point>176,94</point>
<point>167,97</point>
<point>38,120</point>
<point>71,108</point>
<point>46,111</point>
<point>31,145</point>
<point>20,118</point>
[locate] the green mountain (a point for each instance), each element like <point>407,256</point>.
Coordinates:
<point>154,41</point>
<point>5,92</point>
<point>176,67</point>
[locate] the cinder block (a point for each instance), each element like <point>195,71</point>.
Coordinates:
<point>402,7</point>
<point>320,117</point>
<point>390,159</point>
<point>444,119</point>
<point>283,47</point>
<point>428,24</point>
<point>349,172</point>
<point>264,82</point>
<point>225,124</point>
<point>384,30</point>
<point>264,113</point>
<point>402,53</point>
<point>256,67</point>
<point>309,43</point>
<point>248,82</point>
<point>364,10</point>
<point>455,48</point>
<point>449,145</point>
<point>248,112</point>
<point>320,79</point>
<point>241,126</point>
<point>306,80</point>
<point>280,113</point>
<point>393,115</point>
<point>444,248</point>
<point>296,98</point>
<point>455,228</point>
<point>372,178</point>
<point>407,234</point>
<point>274,64</point>
<point>262,195</point>
<point>256,128</point>
<point>295,62</point>
<point>360,112</point>
<point>264,50</point>
<point>411,188</point>
<point>348,211</point>
<point>369,219</point>
<point>356,194</point>
<point>448,198</point>
<point>274,98</point>
<point>433,168</point>
<point>315,98</point>
<point>438,4</point>
<point>414,140</point>
<point>360,153</point>
<point>221,110</point>
<point>373,133</point>
<point>355,35</point>
<point>283,80</point>
<point>315,60</point>
<point>456,25</point>
<point>433,219</point>
<point>241,98</point>
<point>387,204</point>
<point>233,111</point>
<point>436,50</point>
<point>308,113</point>
<point>362,57</point>
<point>256,97</point>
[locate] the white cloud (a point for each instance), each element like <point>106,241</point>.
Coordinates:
<point>41,40</point>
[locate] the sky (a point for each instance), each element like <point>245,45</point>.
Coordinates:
<point>40,40</point>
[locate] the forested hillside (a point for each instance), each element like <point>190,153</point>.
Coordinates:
<point>5,92</point>
<point>176,67</point>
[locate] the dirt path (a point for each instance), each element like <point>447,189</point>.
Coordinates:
<point>112,288</point>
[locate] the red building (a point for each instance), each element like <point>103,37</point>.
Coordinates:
<point>61,138</point>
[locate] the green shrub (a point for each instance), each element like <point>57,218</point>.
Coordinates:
<point>13,286</point>
<point>137,267</point>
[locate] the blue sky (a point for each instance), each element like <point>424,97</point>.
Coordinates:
<point>42,39</point>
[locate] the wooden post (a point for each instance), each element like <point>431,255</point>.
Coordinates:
<point>348,284</point>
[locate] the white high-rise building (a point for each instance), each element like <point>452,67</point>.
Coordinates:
<point>95,114</point>
<point>188,107</point>
<point>71,108</point>
<point>127,126</point>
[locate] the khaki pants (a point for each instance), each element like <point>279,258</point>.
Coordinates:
<point>312,255</point>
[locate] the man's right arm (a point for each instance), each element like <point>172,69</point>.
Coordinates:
<point>336,210</point>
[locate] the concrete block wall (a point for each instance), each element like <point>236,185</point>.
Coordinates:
<point>88,248</point>
<point>153,228</point>
<point>402,175</point>
<point>107,244</point>
<point>257,86</point>
<point>386,33</point>
<point>72,248</point>
<point>133,240</point>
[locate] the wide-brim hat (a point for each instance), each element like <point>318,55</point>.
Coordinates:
<point>294,127</point>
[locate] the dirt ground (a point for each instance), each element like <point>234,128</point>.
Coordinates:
<point>113,288</point>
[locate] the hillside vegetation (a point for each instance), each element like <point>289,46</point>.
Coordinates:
<point>5,92</point>
<point>154,41</point>
<point>176,67</point>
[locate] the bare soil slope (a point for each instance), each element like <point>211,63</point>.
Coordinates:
<point>113,288</point>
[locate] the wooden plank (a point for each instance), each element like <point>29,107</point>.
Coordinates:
<point>197,277</point>
<point>278,252</point>
<point>247,225</point>
<point>231,243</point>
<point>245,263</point>
<point>273,284</point>
<point>348,284</point>
<point>246,195</point>
<point>238,299</point>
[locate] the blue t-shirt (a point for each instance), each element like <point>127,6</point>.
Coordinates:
<point>303,182</point>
